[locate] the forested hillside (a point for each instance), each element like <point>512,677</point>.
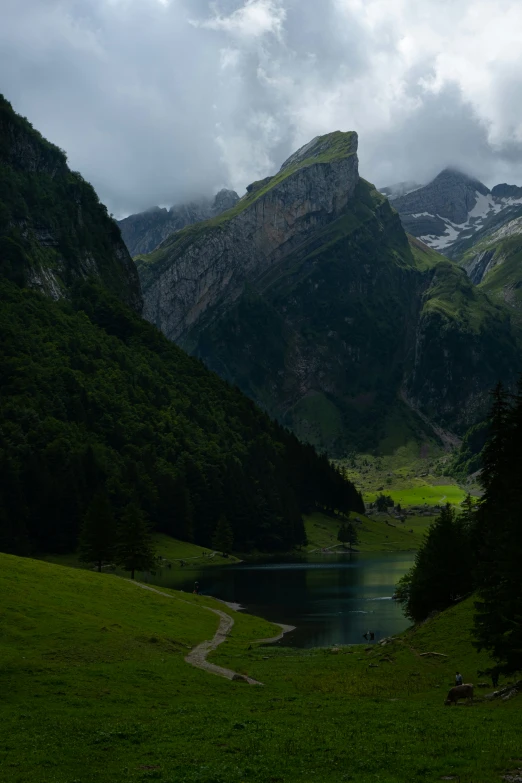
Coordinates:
<point>98,410</point>
<point>94,399</point>
<point>53,229</point>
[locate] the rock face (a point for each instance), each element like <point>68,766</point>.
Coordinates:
<point>143,232</point>
<point>494,262</point>
<point>453,208</point>
<point>309,296</point>
<point>53,229</point>
<point>206,265</point>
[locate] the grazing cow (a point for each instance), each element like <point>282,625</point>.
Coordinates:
<point>459,692</point>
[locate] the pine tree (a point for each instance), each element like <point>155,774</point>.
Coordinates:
<point>97,542</point>
<point>351,534</point>
<point>342,535</point>
<point>442,571</point>
<point>135,550</point>
<point>223,538</point>
<point>498,620</point>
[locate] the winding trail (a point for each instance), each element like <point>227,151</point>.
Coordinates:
<point>198,655</point>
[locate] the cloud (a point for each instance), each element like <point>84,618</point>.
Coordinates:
<point>157,101</point>
<point>252,20</point>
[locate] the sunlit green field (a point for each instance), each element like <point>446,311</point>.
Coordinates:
<point>427,494</point>
<point>95,688</point>
<point>375,535</point>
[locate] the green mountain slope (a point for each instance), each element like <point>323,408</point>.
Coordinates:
<point>321,310</point>
<point>53,229</point>
<point>94,399</point>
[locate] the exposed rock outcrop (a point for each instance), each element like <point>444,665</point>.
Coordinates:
<point>210,263</point>
<point>55,231</point>
<point>143,232</point>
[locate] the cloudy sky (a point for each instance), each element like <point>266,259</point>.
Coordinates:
<point>157,101</point>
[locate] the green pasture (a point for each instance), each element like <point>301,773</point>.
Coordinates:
<point>166,547</point>
<point>427,494</point>
<point>95,688</point>
<point>379,534</point>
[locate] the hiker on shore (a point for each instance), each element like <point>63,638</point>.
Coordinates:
<point>196,588</point>
<point>458,679</point>
<point>372,636</point>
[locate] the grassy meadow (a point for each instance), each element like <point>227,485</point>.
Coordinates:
<point>95,688</point>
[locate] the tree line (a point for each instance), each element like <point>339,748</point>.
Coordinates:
<point>479,549</point>
<point>95,402</point>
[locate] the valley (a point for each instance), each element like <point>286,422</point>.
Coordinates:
<point>284,400</point>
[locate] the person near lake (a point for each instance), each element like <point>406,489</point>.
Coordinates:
<point>196,588</point>
<point>458,679</point>
<point>372,636</point>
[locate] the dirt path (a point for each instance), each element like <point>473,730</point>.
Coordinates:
<point>198,655</point>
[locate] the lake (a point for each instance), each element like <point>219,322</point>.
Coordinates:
<point>331,599</point>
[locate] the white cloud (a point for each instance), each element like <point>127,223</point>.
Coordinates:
<point>158,101</point>
<point>252,20</point>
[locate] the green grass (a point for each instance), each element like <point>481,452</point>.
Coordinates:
<point>95,688</point>
<point>169,548</point>
<point>425,494</point>
<point>382,534</point>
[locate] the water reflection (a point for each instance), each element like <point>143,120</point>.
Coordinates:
<point>332,599</point>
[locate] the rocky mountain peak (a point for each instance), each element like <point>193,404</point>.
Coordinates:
<point>324,149</point>
<point>225,199</point>
<point>145,231</point>
<point>197,271</point>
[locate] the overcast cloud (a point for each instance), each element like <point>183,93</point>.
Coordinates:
<point>157,101</point>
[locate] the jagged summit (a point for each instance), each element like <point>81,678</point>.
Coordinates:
<point>145,231</point>
<point>324,149</point>
<point>278,213</point>
<point>453,207</point>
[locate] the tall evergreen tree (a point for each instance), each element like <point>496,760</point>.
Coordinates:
<point>223,538</point>
<point>442,571</point>
<point>97,542</point>
<point>135,550</point>
<point>498,620</point>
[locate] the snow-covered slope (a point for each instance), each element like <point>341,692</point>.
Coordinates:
<point>453,207</point>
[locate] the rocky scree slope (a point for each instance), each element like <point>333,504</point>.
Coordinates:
<point>453,208</point>
<point>144,231</point>
<point>309,296</point>
<point>53,229</point>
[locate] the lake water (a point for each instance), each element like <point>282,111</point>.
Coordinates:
<point>331,599</point>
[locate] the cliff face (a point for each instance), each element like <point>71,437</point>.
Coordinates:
<point>309,296</point>
<point>53,229</point>
<point>207,265</point>
<point>142,233</point>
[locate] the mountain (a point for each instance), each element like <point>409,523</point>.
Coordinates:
<point>143,232</point>
<point>309,296</point>
<point>495,264</point>
<point>96,401</point>
<point>451,209</point>
<point>53,229</point>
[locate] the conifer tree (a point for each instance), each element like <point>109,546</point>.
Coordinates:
<point>135,550</point>
<point>442,571</point>
<point>97,541</point>
<point>498,620</point>
<point>223,538</point>
<point>342,535</point>
<point>351,534</point>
